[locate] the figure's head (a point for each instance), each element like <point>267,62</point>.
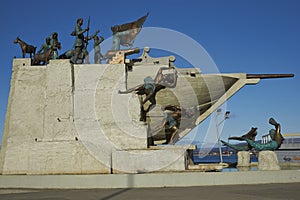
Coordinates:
<point>149,79</point>
<point>79,21</point>
<point>96,38</point>
<point>48,40</point>
<point>55,35</point>
<point>16,40</point>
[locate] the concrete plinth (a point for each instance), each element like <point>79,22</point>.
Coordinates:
<point>243,159</point>
<point>70,119</point>
<point>267,160</point>
<point>143,161</point>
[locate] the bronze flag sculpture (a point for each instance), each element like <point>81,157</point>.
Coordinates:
<point>125,34</point>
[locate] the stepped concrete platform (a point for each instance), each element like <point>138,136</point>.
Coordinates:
<point>148,180</point>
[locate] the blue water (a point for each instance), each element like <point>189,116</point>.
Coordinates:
<point>216,159</point>
<point>232,160</point>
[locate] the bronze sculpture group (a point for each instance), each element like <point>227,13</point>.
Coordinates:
<point>165,78</point>
<point>49,50</point>
<point>249,138</point>
<point>122,35</point>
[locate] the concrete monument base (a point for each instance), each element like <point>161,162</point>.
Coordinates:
<point>267,160</point>
<point>243,159</point>
<point>70,119</point>
<point>73,119</point>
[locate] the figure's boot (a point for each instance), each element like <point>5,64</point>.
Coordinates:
<point>142,114</point>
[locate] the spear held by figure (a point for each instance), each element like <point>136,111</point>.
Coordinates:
<point>87,32</point>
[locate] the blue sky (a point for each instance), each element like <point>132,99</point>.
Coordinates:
<point>240,36</point>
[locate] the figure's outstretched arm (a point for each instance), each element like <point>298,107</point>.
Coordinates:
<point>93,35</point>
<point>136,88</point>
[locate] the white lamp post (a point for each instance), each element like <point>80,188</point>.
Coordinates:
<point>226,116</point>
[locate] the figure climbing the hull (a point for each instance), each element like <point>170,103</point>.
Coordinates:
<point>151,87</point>
<point>171,122</point>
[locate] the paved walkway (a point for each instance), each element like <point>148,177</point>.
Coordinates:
<point>233,192</point>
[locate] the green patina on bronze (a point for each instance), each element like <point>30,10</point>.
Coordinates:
<point>275,143</point>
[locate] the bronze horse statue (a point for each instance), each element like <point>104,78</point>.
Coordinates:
<point>25,47</point>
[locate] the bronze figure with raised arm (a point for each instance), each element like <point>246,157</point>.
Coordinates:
<point>150,88</point>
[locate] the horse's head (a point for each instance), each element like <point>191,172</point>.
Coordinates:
<point>16,40</point>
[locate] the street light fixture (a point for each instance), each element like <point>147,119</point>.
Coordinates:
<point>226,116</point>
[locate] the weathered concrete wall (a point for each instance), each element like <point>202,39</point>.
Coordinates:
<point>65,119</point>
<point>143,161</point>
<point>70,119</point>
<point>24,118</point>
<point>40,136</point>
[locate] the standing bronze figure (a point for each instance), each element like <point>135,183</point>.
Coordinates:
<point>80,51</point>
<point>56,44</point>
<point>97,49</point>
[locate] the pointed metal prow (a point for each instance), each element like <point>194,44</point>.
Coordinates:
<point>264,76</point>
